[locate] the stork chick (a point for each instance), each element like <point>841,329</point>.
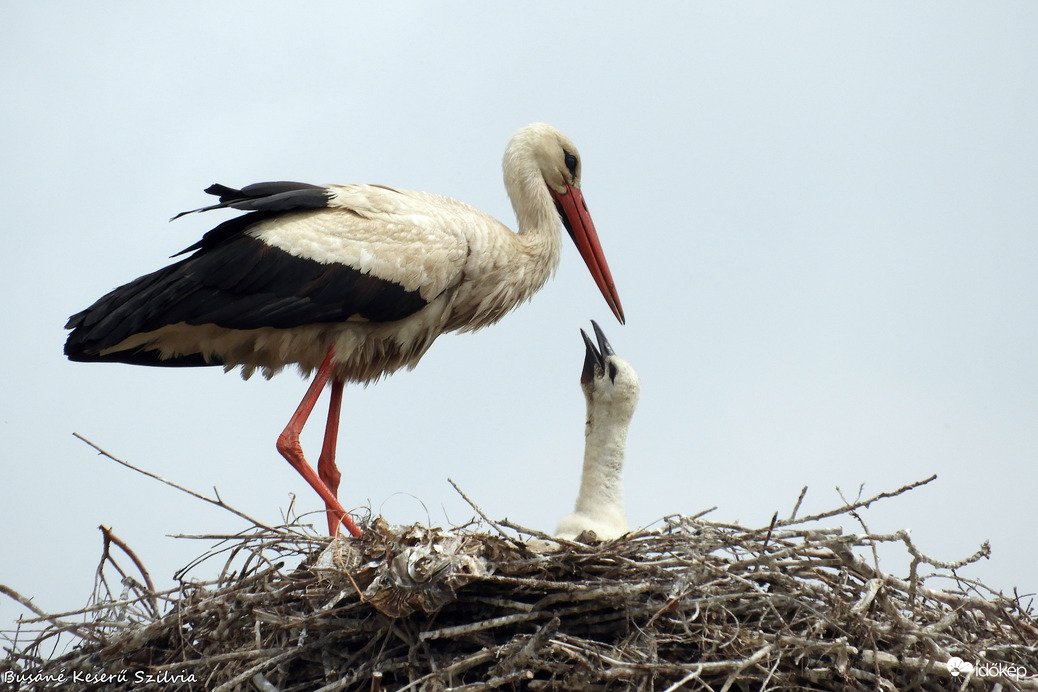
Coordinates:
<point>611,389</point>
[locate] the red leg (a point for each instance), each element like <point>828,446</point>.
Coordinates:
<point>288,444</point>
<point>326,468</point>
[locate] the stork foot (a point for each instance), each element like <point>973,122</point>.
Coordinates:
<point>289,447</point>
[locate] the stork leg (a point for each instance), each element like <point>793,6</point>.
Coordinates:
<point>289,447</point>
<point>326,468</point>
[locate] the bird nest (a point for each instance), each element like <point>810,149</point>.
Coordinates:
<point>693,605</point>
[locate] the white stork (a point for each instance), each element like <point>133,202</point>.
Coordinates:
<point>353,281</point>
<point>611,388</point>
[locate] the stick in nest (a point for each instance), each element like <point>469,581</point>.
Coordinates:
<point>850,507</point>
<point>109,539</point>
<point>218,501</point>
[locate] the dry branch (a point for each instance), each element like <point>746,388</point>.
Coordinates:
<point>218,501</point>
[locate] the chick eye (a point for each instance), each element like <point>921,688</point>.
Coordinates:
<point>571,163</point>
<point>612,373</point>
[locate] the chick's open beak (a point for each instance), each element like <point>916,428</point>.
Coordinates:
<point>594,358</point>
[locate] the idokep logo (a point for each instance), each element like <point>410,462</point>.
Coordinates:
<point>959,668</point>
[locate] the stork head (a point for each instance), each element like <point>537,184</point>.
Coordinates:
<point>543,152</point>
<point>610,384</point>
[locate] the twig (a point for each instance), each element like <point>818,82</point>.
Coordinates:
<point>744,664</point>
<point>767,538</point>
<point>863,503</point>
<point>261,683</point>
<point>514,541</point>
<point>480,626</point>
<point>258,668</point>
<point>79,631</point>
<point>110,538</point>
<point>457,667</point>
<point>688,678</point>
<point>864,527</point>
<point>218,502</point>
<point>219,658</point>
<point>796,507</point>
<point>478,510</point>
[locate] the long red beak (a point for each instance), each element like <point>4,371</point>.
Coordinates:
<point>577,220</point>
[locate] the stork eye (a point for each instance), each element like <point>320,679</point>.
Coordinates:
<point>612,372</point>
<point>571,163</point>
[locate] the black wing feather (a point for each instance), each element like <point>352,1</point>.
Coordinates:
<point>283,195</point>
<point>265,199</point>
<point>236,281</point>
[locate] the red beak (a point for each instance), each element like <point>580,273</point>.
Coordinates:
<point>577,220</point>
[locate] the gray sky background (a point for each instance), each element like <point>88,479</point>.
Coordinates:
<point>820,218</point>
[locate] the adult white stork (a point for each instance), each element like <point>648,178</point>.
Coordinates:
<point>611,388</point>
<point>353,281</point>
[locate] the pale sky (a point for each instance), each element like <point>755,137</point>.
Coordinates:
<point>820,218</point>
